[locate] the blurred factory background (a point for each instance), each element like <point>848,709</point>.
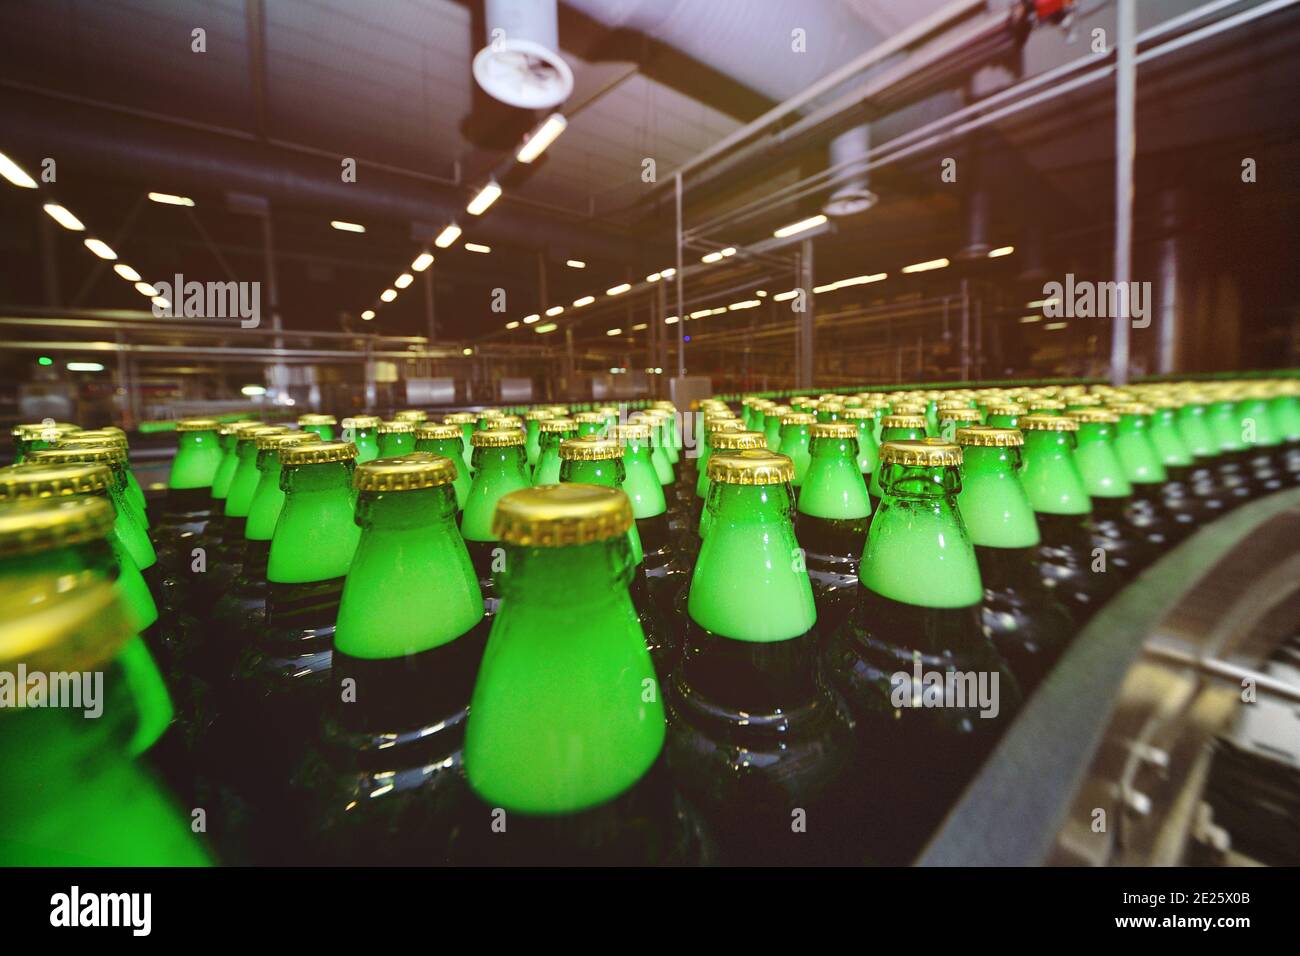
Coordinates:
<point>920,169</point>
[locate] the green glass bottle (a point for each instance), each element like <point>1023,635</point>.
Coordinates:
<point>796,435</point>
<point>868,448</point>
<point>227,438</point>
<point>772,425</point>
<point>549,435</point>
<point>590,423</point>
<point>500,467</point>
<point>566,724</point>
<point>446,441</point>
<point>952,417</point>
<point>1003,414</point>
<point>713,426</point>
<point>72,795</point>
<point>116,438</point>
<point>321,425</point>
<point>396,438</point>
<point>34,436</point>
<point>661,445</point>
<point>895,427</point>
<point>757,740</point>
<point>239,500</point>
<point>466,421</point>
<point>664,571</point>
<point>363,431</point>
<point>382,784</point>
<point>1028,626</point>
<point>189,505</point>
<point>533,421</point>
<point>1266,456</point>
<point>912,662</point>
<point>833,515</point>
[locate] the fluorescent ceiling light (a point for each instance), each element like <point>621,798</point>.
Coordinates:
<point>513,325</point>
<point>1026,319</point>
<point>747,304</point>
<point>146,289</point>
<point>1042,303</point>
<point>1055,326</point>
<point>541,138</point>
<point>63,217</point>
<point>252,391</point>
<point>388,295</point>
<point>342,226</point>
<point>478,247</point>
<point>546,327</point>
<point>126,272</point>
<point>803,225</point>
<point>761,293</point>
<point>1001,251</point>
<point>422,262</point>
<point>162,302</point>
<point>575,263</point>
<point>367,315</point>
<point>467,351</point>
<point>485,198</point>
<point>555,310</point>
<point>845,283</point>
<point>530,319</point>
<point>448,235</point>
<point>712,257</point>
<point>167,199</point>
<point>639,327</point>
<point>585,300</point>
<point>785,296</point>
<point>701,313</point>
<point>100,248</point>
<point>927,266</point>
<point>85,367</point>
<point>671,320</point>
<point>668,273</point>
<point>613,331</point>
<point>618,289</point>
<point>15,173</point>
<point>403,280</point>
<point>654,277</point>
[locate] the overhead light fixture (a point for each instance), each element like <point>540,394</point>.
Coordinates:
<point>728,252</point>
<point>85,367</point>
<point>575,263</point>
<point>530,319</point>
<point>512,325</point>
<point>639,327</point>
<point>547,327</point>
<point>712,257</point>
<point>449,235</point>
<point>1001,251</point>
<point>422,262</point>
<point>613,331</point>
<point>342,226</point>
<point>585,300</point>
<point>927,266</point>
<point>126,272</point>
<point>253,391</point>
<point>718,311</point>
<point>15,173</point>
<point>701,313</point>
<point>803,225</point>
<point>162,302</point>
<point>1026,319</point>
<point>388,295</point>
<point>761,293</point>
<point>45,360</point>
<point>146,290</point>
<point>747,304</point>
<point>1054,326</point>
<point>671,320</point>
<point>485,198</point>
<point>403,280</point>
<point>167,199</point>
<point>785,296</point>
<point>618,289</point>
<point>668,273</point>
<point>100,248</point>
<point>555,310</point>
<point>467,351</point>
<point>1042,303</point>
<point>542,137</point>
<point>654,277</point>
<point>478,247</point>
<point>367,315</point>
<point>845,283</point>
<point>63,217</point>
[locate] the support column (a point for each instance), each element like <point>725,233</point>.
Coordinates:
<point>807,280</point>
<point>1125,154</point>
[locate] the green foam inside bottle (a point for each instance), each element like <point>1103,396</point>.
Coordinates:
<point>497,472</point>
<point>1050,475</point>
<point>834,487</point>
<point>315,536</point>
<point>992,503</point>
<point>198,455</point>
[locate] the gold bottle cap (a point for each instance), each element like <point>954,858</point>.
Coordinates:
<point>798,418</point>
<point>314,419</point>
<point>898,420</point>
<point>635,431</point>
<point>737,440</point>
<point>318,453</point>
<point>254,432</point>
<point>1046,405</point>
<point>30,526</point>
<point>556,516</point>
<point>102,436</point>
<point>498,438</point>
<point>198,425</point>
<point>1093,415</point>
<point>589,448</point>
<point>989,436</point>
<point>360,423</point>
<point>72,454</point>
<point>1130,408</point>
<point>1047,423</point>
<point>414,415</point>
<point>777,411</point>
<point>1006,408</point>
<point>834,430</point>
<point>491,413</point>
<point>427,431</point>
<point>61,623</point>
<point>282,440</point>
<point>949,404</point>
<point>557,426</point>
<point>396,427</point>
<point>909,408</point>
<point>54,481</point>
<point>925,452</point>
<point>234,428</point>
<point>589,418</point>
<point>42,431</point>
<point>858,413</point>
<point>537,414</point>
<point>460,418</point>
<point>756,466</point>
<point>411,472</point>
<point>962,414</point>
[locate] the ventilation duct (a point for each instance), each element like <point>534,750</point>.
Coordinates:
<point>521,64</point>
<point>850,150</point>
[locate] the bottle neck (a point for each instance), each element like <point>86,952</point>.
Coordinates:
<point>315,535</point>
<point>268,498</point>
<point>497,472</point>
<point>243,483</point>
<point>1167,439</point>
<point>918,551</point>
<point>367,442</point>
<point>1050,475</point>
<point>994,506</point>
<point>750,583</point>
<point>326,432</point>
<point>410,586</point>
<point>396,444</point>
<point>833,487</point>
<point>198,455</point>
<point>1103,475</point>
<point>641,481</point>
<point>1136,453</point>
<point>566,713</point>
